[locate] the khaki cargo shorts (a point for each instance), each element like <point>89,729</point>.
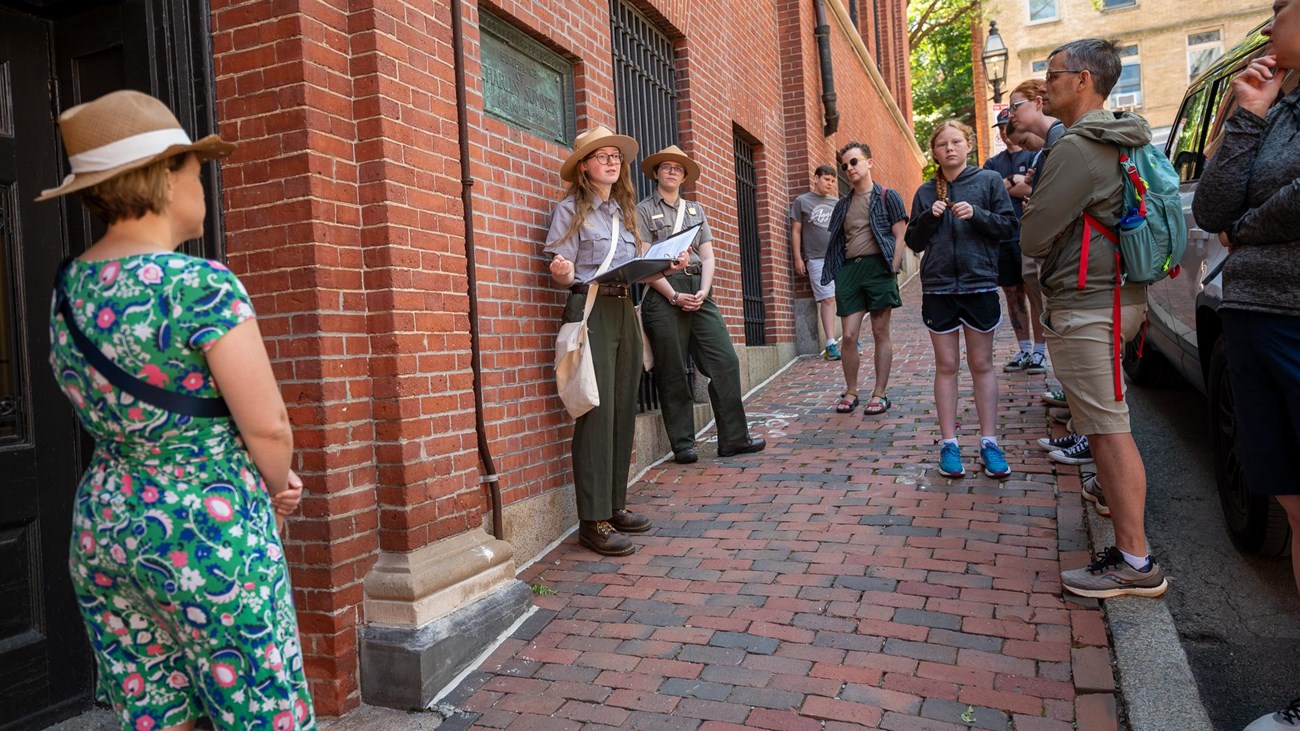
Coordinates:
<point>1083,359</point>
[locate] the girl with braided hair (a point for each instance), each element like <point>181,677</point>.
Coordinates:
<point>959,220</point>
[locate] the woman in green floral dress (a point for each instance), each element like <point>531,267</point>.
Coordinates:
<point>176,561</point>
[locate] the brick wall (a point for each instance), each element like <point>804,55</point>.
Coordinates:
<point>344,220</point>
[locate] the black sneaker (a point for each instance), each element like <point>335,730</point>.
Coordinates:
<point>1017,363</point>
<point>1036,364</point>
<point>1048,444</point>
<point>1078,454</point>
<point>1286,719</point>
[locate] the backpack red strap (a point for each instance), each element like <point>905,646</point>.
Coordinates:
<point>1117,333</point>
<point>1090,223</point>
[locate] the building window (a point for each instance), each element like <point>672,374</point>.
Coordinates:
<point>1117,4</point>
<point>1042,10</point>
<point>1203,49</point>
<point>1038,67</point>
<point>1127,93</point>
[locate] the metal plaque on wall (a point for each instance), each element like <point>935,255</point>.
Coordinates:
<point>526,84</point>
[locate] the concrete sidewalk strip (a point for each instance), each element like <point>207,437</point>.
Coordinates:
<point>834,581</point>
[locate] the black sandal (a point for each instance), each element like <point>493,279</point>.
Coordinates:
<point>846,405</point>
<point>880,408</point>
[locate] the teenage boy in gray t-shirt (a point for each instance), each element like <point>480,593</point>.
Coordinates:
<point>810,219</point>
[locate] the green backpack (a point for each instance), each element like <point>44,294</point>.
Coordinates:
<point>1152,230</point>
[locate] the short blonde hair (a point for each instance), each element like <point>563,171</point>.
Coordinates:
<point>133,193</point>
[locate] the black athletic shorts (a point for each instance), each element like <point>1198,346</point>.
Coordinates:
<point>1009,265</point>
<point>945,313</point>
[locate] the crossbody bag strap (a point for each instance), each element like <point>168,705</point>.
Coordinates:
<point>681,216</point>
<point>178,403</point>
<point>613,244</point>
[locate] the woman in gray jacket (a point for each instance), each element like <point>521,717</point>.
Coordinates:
<point>959,221</point>
<point>1250,193</point>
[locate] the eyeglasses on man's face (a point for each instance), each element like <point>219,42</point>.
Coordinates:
<point>605,158</point>
<point>852,163</point>
<point>1057,72</point>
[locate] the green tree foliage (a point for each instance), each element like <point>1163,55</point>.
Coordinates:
<point>942,75</point>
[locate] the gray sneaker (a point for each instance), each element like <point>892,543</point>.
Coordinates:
<point>1111,576</point>
<point>1092,493</point>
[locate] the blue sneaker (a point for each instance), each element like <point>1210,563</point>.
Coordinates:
<point>832,351</point>
<point>950,461</point>
<point>995,462</point>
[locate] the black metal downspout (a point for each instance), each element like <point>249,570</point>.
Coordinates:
<point>467,204</point>
<point>823,34</point>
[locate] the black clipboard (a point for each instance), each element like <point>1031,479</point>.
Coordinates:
<point>633,271</point>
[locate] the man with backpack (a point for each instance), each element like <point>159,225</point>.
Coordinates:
<point>1077,205</point>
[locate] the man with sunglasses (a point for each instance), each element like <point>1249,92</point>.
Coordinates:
<point>680,317</point>
<point>1081,189</point>
<point>863,259</point>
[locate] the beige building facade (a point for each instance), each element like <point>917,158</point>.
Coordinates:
<point>1166,43</point>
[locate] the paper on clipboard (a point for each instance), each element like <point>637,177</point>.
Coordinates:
<point>673,246</point>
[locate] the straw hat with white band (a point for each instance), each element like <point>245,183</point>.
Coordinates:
<point>123,131</point>
<point>592,140</point>
<point>671,153</point>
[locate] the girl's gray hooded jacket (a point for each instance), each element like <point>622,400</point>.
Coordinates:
<point>962,256</point>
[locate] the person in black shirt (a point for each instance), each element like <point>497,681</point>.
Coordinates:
<point>1013,164</point>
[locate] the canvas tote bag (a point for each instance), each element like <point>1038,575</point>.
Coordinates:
<point>575,371</point>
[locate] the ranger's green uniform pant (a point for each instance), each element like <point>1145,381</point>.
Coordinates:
<point>602,437</point>
<point>673,333</point>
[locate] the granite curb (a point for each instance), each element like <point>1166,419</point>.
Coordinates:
<point>1156,684</point>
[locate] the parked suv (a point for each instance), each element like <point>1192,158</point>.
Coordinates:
<point>1183,332</point>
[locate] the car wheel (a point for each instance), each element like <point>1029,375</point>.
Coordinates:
<point>1150,367</point>
<point>1257,523</point>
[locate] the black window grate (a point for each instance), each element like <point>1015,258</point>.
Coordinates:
<point>751,265</point>
<point>645,90</point>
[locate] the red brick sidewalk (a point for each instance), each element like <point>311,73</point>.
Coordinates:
<point>834,581</point>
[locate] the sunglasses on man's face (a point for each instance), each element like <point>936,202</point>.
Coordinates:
<point>852,163</point>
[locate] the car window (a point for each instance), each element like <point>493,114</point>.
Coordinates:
<point>1188,136</point>
<point>1227,103</point>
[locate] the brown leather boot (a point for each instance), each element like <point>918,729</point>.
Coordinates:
<point>600,536</point>
<point>626,521</point>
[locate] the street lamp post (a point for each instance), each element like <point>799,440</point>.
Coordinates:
<point>995,61</point>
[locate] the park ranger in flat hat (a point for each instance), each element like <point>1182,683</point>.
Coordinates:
<point>680,317</point>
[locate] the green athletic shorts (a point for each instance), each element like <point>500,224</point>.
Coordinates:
<point>865,284</point>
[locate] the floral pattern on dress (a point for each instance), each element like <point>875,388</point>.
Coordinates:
<point>178,569</point>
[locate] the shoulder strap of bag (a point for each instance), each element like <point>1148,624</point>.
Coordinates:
<point>613,244</point>
<point>178,403</point>
<point>681,213</point>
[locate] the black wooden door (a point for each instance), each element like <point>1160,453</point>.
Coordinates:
<point>53,55</point>
<point>45,666</point>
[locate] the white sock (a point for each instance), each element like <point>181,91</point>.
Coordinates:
<point>1137,562</point>
<point>1040,348</point>
<point>988,441</point>
<point>830,342</point>
<point>1024,346</point>
<point>952,441</point>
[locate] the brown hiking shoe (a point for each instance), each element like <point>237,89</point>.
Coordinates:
<point>600,536</point>
<point>626,521</point>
